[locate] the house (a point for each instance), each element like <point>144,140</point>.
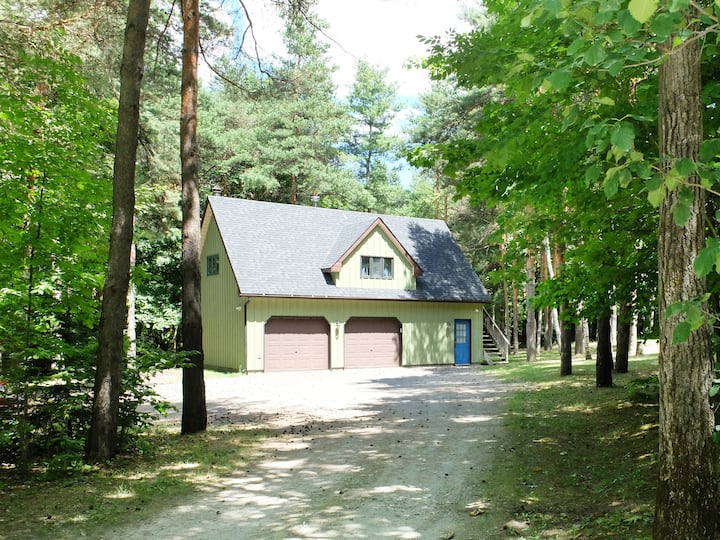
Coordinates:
<point>289,287</point>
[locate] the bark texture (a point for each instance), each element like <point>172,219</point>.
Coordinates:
<point>531,326</point>
<point>515,346</point>
<point>622,354</point>
<point>604,359</point>
<point>194,411</point>
<point>102,437</point>
<point>687,491</point>
<point>566,354</point>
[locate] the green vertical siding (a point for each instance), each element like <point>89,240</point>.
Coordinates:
<point>427,327</point>
<point>222,307</point>
<point>377,244</point>
<point>234,327</point>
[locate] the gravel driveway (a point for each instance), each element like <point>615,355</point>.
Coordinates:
<point>380,453</point>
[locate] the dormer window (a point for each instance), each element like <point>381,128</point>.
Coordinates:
<point>376,267</point>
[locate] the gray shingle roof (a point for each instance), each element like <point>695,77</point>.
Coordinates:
<point>280,250</point>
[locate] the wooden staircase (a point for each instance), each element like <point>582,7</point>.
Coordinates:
<point>495,345</point>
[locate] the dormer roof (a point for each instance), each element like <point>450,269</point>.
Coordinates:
<point>349,240</point>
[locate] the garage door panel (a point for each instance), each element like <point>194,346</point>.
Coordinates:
<point>296,344</point>
<point>372,342</point>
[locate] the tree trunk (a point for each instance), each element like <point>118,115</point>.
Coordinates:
<point>132,318</point>
<point>604,359</point>
<point>531,324</point>
<point>586,339</point>
<point>506,311</point>
<point>580,337</point>
<point>566,347</point>
<point>622,352</point>
<point>687,490</point>
<point>194,412</point>
<point>632,346</point>
<point>515,324</point>
<point>102,437</point>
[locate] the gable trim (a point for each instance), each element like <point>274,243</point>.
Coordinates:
<point>377,224</point>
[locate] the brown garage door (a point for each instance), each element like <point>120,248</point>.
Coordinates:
<point>372,342</point>
<point>296,344</point>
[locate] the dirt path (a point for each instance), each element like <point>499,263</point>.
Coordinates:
<point>391,453</point>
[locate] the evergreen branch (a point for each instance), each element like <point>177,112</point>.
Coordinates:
<point>164,31</point>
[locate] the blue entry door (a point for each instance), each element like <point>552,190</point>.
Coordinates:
<point>462,341</point>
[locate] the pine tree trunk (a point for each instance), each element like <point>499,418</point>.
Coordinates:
<point>687,491</point>
<point>194,412</point>
<point>102,437</point>
<point>604,359</point>
<point>531,326</point>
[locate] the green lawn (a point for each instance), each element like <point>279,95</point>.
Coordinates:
<point>580,461</point>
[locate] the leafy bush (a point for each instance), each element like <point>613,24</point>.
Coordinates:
<point>644,389</point>
<point>48,423</point>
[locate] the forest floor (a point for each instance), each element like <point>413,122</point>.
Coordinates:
<point>380,453</point>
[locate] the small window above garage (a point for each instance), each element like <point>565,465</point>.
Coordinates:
<point>376,267</point>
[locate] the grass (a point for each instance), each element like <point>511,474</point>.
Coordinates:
<point>581,460</point>
<point>90,504</point>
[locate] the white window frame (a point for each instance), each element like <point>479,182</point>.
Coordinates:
<point>376,267</point>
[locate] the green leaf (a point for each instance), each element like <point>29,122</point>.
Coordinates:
<point>592,174</point>
<point>611,184</point>
<point>642,10</point>
<point>708,257</point>
<point>714,391</point>
<point>615,66</point>
<point>710,149</point>
<point>679,5</point>
<point>575,47</point>
<point>553,6</point>
<point>685,166</point>
<point>630,26</point>
<point>623,136</point>
<point>560,79</point>
<point>682,332</point>
<point>656,191</point>
<point>673,179</point>
<point>663,25</point>
<point>674,309</point>
<point>526,57</point>
<point>595,55</point>
<point>683,207</point>
<point>605,100</point>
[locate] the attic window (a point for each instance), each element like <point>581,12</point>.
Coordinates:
<point>376,267</point>
<point>213,265</point>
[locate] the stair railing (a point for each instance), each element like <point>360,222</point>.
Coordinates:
<point>496,334</point>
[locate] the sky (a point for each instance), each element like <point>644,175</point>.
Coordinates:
<point>383,32</point>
